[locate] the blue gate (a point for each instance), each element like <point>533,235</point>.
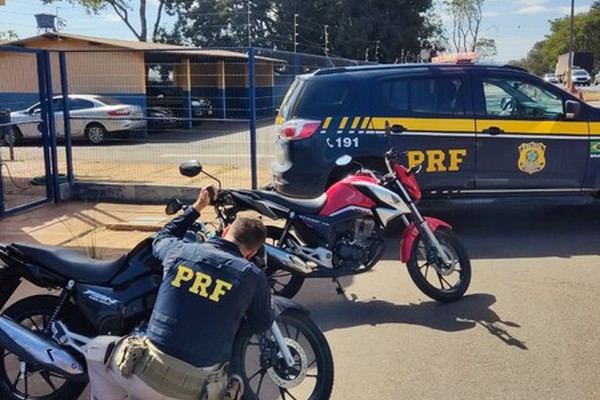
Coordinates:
<point>28,156</point>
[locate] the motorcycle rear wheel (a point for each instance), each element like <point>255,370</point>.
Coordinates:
<point>37,384</point>
<point>454,282</point>
<point>266,377</point>
<point>283,283</point>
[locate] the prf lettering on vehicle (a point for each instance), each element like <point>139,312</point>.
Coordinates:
<point>437,160</point>
<point>349,129</point>
<point>202,284</point>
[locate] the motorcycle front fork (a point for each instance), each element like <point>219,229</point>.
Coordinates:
<point>424,228</point>
<point>283,348</point>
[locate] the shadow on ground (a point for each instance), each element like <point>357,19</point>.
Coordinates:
<point>470,311</point>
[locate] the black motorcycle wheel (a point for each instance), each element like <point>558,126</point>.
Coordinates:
<point>447,286</point>
<point>265,374</point>
<point>283,283</point>
<point>37,384</point>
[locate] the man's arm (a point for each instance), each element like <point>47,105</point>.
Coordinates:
<point>175,229</point>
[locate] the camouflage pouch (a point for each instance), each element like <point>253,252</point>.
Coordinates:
<point>130,352</point>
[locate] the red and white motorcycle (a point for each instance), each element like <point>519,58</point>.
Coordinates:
<point>341,232</point>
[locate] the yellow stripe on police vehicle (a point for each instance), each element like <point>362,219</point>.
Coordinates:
<point>435,160</point>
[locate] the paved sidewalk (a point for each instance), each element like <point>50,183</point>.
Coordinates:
<point>102,230</point>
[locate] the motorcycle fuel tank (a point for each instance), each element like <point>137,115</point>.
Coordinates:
<point>343,194</point>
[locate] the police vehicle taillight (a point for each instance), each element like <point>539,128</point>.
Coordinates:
<point>297,129</point>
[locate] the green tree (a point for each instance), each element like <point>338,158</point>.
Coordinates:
<point>124,10</point>
<point>466,23</point>
<point>8,35</point>
<point>486,48</point>
<point>391,28</point>
<point>534,62</point>
<point>544,54</point>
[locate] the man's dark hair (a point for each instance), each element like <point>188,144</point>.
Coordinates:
<point>248,232</point>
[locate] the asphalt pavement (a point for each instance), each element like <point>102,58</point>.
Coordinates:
<point>527,328</point>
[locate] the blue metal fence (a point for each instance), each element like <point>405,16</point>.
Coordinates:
<point>243,88</point>
<point>28,176</point>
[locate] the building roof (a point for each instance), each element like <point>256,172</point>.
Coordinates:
<point>148,47</point>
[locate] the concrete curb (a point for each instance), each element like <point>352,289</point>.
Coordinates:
<point>133,227</point>
<point>128,193</point>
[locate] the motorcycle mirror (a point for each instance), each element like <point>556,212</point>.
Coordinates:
<point>190,168</point>
<point>173,206</point>
<point>343,160</point>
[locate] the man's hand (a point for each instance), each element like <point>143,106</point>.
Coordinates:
<point>204,197</point>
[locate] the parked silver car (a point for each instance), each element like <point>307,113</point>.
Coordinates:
<point>580,77</point>
<point>551,78</point>
<point>92,117</point>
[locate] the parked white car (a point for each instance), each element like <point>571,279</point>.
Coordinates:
<point>92,117</point>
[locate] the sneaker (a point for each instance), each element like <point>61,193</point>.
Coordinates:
<point>235,388</point>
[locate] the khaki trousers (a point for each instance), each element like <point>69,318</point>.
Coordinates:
<point>108,384</point>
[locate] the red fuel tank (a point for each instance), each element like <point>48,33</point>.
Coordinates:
<point>342,194</point>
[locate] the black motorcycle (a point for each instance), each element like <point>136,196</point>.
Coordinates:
<point>42,336</point>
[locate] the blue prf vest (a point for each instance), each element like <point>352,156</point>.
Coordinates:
<point>202,301</point>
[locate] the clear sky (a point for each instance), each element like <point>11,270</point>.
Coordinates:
<point>515,24</point>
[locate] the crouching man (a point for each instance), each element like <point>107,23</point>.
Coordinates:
<point>208,290</point>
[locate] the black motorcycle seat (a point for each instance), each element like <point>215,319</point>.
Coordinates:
<point>303,206</point>
<point>71,263</point>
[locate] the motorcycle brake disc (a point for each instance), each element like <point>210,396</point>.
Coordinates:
<point>281,374</point>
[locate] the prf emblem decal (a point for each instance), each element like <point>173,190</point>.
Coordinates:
<point>532,157</point>
<point>595,149</point>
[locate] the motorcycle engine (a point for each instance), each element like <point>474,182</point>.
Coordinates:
<point>354,243</point>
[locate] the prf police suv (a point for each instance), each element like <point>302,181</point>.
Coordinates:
<point>476,129</point>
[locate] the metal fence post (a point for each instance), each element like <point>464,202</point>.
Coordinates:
<point>5,130</point>
<point>252,111</point>
<point>64,83</point>
<point>48,111</point>
<point>42,87</point>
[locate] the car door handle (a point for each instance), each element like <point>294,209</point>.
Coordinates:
<point>493,130</point>
<point>398,128</point>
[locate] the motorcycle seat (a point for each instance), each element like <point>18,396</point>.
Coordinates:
<point>303,206</point>
<point>71,263</point>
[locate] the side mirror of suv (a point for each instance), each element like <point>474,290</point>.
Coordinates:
<point>572,109</point>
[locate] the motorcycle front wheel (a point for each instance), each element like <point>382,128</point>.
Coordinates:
<point>436,280</point>
<point>266,376</point>
<point>22,381</point>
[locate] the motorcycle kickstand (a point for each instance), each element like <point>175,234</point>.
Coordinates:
<point>339,289</point>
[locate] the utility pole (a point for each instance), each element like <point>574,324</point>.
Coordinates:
<point>249,33</point>
<point>570,85</point>
<point>295,32</point>
<point>326,41</point>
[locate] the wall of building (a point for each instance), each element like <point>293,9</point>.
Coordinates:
<point>119,74</point>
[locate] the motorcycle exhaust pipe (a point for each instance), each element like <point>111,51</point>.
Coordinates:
<point>38,350</point>
<point>289,261</point>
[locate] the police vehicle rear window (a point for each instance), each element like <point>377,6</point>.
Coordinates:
<point>289,101</point>
<point>326,98</point>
